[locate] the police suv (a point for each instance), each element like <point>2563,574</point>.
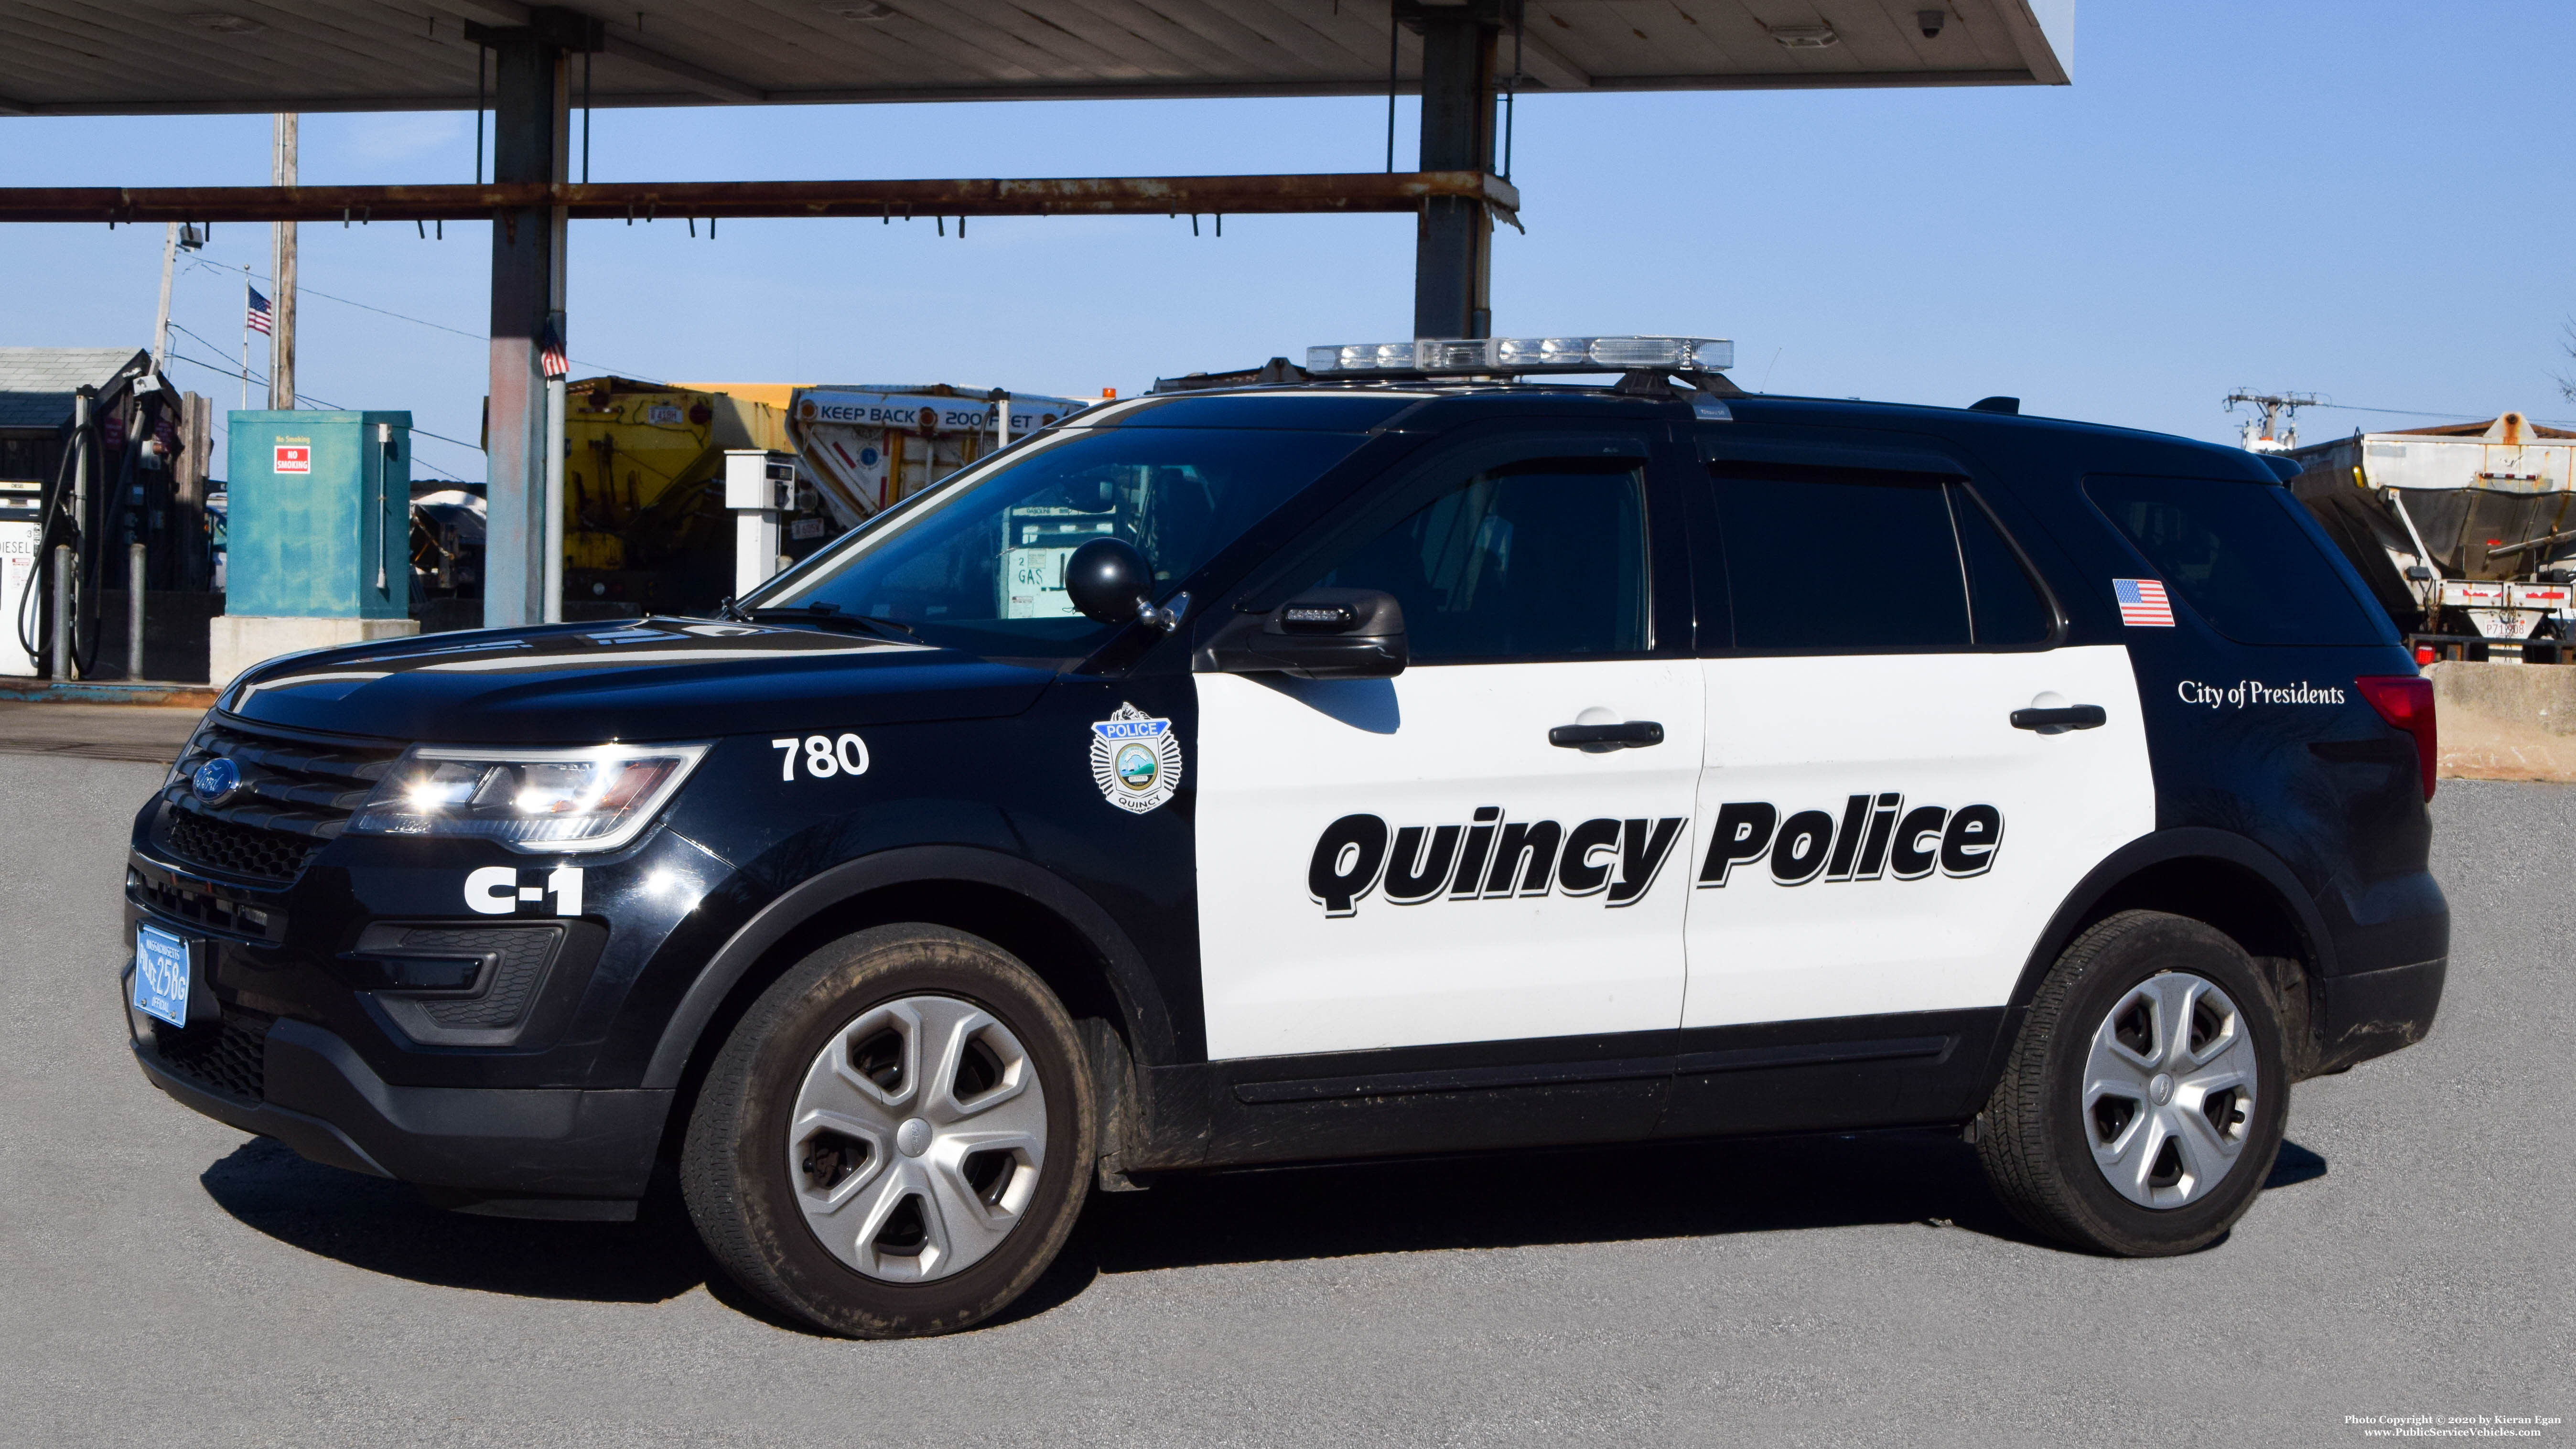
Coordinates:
<point>1430,754</point>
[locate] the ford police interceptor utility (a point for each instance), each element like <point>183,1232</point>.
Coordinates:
<point>1431,755</point>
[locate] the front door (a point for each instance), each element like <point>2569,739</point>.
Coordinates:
<point>1410,861</point>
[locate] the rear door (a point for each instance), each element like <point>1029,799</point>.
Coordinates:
<point>1883,836</point>
<point>1410,861</point>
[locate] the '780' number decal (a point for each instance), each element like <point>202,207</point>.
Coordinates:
<point>823,755</point>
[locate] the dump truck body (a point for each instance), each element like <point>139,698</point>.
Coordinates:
<point>2466,531</point>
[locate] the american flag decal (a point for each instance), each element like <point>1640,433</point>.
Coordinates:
<point>257,320</point>
<point>2143,604</point>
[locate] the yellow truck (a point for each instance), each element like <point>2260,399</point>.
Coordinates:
<point>645,525</point>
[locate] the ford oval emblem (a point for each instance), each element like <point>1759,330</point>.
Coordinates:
<point>215,779</point>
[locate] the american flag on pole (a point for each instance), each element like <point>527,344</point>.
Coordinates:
<point>2143,604</point>
<point>258,319</point>
<point>550,352</point>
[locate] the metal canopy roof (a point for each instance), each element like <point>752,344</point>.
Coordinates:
<point>123,57</point>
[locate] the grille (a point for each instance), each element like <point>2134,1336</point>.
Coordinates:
<point>230,1056</point>
<point>239,849</point>
<point>295,796</point>
<point>198,904</point>
<point>523,952</point>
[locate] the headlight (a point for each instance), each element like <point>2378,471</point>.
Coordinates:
<point>541,801</point>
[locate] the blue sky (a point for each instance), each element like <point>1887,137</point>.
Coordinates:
<point>2355,199</point>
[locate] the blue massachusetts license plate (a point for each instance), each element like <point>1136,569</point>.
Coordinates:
<point>161,960</point>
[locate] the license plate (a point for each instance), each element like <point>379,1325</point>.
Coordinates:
<point>161,971</point>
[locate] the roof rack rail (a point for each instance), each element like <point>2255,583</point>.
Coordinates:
<point>1276,370</point>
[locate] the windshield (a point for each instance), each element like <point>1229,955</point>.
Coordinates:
<point>978,564</point>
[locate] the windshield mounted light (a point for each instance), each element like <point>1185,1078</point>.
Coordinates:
<point>1506,356</point>
<point>539,801</point>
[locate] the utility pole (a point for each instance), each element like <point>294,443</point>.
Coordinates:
<point>181,237</point>
<point>2274,428</point>
<point>161,318</point>
<point>281,341</point>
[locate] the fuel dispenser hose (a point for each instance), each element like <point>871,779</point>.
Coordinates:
<point>58,528</point>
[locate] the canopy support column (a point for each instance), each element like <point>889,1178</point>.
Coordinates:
<point>1454,240</point>
<point>531,128</point>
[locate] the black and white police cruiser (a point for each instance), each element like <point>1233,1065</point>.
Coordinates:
<point>1432,754</point>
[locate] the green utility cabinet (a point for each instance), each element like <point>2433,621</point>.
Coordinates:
<point>320,515</point>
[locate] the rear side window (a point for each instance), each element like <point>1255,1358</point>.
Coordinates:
<point>2008,609</point>
<point>2244,557</point>
<point>1834,559</point>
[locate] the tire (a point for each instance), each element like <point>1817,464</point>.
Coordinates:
<point>896,1139</point>
<point>2113,1127</point>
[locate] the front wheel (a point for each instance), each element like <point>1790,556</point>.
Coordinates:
<point>896,1138</point>
<point>2147,1094</point>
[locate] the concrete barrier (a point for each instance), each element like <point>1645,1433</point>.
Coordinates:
<point>2506,721</point>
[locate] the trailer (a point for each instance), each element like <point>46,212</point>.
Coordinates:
<point>873,445</point>
<point>2465,533</point>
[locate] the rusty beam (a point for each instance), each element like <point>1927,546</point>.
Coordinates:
<point>1365,191</point>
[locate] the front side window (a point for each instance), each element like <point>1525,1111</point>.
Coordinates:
<point>978,563</point>
<point>1541,559</point>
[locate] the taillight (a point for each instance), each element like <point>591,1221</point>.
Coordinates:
<point>2406,701</point>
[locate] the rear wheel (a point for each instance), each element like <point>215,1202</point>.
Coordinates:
<point>896,1138</point>
<point>2146,1096</point>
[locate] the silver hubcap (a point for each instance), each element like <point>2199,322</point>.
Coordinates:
<point>2169,1090</point>
<point>917,1138</point>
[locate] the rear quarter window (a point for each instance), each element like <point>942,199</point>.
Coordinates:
<point>2244,556</point>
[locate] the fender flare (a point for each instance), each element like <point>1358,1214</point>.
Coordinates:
<point>1129,979</point>
<point>2188,842</point>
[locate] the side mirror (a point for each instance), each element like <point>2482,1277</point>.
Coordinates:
<point>2417,573</point>
<point>1108,580</point>
<point>1322,634</point>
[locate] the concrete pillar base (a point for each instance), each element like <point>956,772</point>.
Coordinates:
<point>235,642</point>
<point>2505,721</point>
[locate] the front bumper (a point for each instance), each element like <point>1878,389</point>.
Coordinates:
<point>513,1152</point>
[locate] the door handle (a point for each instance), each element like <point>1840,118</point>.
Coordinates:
<point>1597,739</point>
<point>2070,717</point>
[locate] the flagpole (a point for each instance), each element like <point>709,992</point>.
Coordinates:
<point>245,337</point>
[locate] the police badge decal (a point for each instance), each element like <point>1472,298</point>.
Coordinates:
<point>1135,760</point>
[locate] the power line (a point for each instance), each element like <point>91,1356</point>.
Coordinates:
<point>2420,413</point>
<point>304,291</point>
<point>306,397</point>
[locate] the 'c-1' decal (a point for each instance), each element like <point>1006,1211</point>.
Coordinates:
<point>1876,837</point>
<point>494,890</point>
<point>1487,859</point>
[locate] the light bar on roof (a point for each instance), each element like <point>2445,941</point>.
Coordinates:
<point>1525,354</point>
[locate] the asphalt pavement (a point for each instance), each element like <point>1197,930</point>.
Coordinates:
<point>166,1281</point>
<point>144,734</point>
